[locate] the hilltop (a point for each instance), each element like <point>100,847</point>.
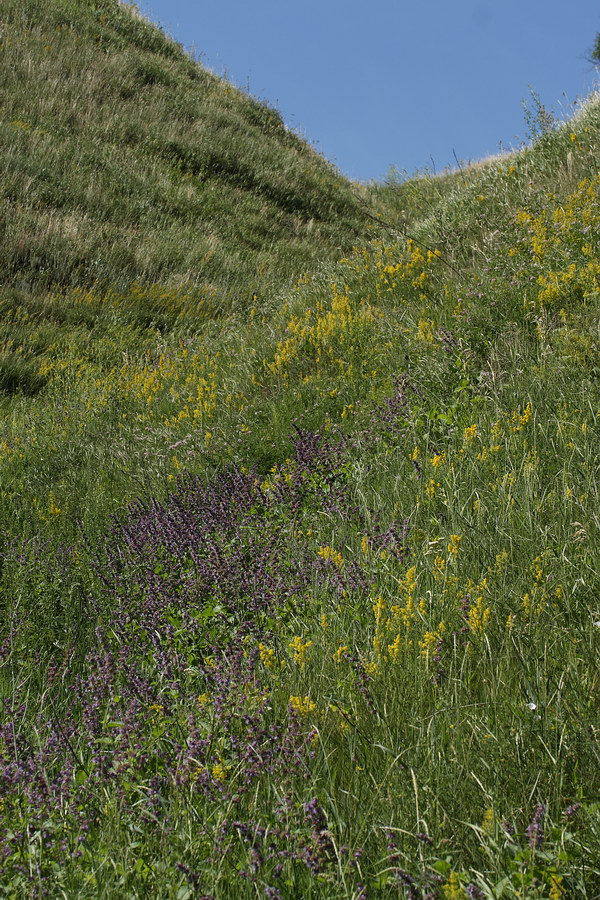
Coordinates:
<point>127,160</point>
<point>300,542</point>
<point>136,179</point>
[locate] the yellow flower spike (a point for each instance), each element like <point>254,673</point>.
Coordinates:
<point>300,649</point>
<point>439,564</point>
<point>393,649</point>
<point>324,621</point>
<point>378,609</point>
<point>219,771</point>
<point>431,639</point>
<point>425,330</point>
<point>340,653</point>
<point>454,545</point>
<point>489,821</point>
<point>438,460</point>
<point>537,570</point>
<point>470,433</point>
<point>203,699</point>
<point>415,454</point>
<point>328,553</point>
<point>478,616</point>
<point>407,612</point>
<point>266,655</point>
<point>431,487</point>
<point>304,706</point>
<point>410,579</point>
<point>53,509</point>
<point>501,561</point>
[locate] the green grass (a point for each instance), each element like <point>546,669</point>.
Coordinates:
<point>125,161</point>
<point>299,541</point>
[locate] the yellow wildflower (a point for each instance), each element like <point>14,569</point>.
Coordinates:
<point>478,616</point>
<point>340,653</point>
<point>267,655</point>
<point>370,668</point>
<point>394,648</point>
<point>453,889</point>
<point>300,649</point>
<point>439,566</point>
<point>378,608</point>
<point>454,545</point>
<point>425,330</point>
<point>219,771</point>
<point>329,553</point>
<point>526,415</point>
<point>304,706</point>
<point>489,821</point>
<point>430,488</point>
<point>556,888</point>
<point>53,509</point>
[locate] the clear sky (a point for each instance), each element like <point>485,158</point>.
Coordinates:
<point>380,83</point>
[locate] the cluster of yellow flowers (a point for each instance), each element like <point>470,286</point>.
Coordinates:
<point>300,648</point>
<point>323,334</point>
<point>329,553</point>
<point>304,706</point>
<point>559,245</point>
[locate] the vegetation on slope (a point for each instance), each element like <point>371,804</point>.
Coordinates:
<point>343,642</point>
<point>134,181</point>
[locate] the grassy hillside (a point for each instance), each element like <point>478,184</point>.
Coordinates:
<point>143,200</point>
<point>300,585</point>
<point>135,180</point>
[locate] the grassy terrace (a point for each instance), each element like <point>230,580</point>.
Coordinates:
<point>300,521</point>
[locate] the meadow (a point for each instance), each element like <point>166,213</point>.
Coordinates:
<point>299,481</point>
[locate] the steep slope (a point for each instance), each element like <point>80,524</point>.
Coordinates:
<point>135,176</point>
<point>339,636</point>
<point>123,159</point>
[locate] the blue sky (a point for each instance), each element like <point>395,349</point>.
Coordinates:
<point>382,83</point>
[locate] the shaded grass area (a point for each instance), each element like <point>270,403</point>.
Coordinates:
<point>300,599</point>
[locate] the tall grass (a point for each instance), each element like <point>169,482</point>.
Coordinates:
<point>300,592</point>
